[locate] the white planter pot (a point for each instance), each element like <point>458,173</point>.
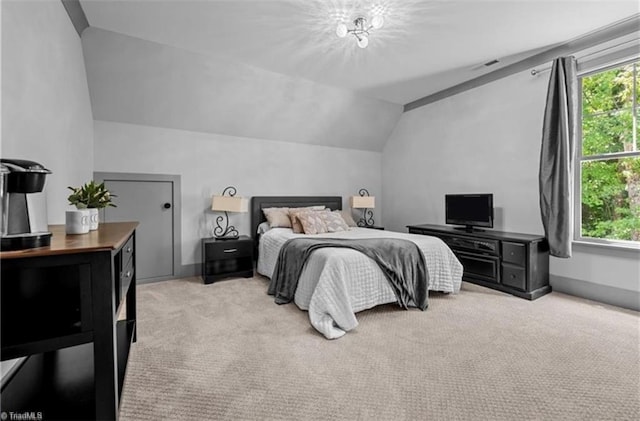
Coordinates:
<point>77,221</point>
<point>94,219</point>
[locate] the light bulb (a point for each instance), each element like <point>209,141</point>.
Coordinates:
<point>341,30</point>
<point>377,22</point>
<point>363,41</point>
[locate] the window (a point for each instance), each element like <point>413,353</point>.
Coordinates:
<point>608,155</point>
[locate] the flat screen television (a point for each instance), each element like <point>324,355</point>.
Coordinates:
<point>469,210</point>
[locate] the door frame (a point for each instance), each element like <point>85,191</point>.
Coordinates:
<point>177,211</point>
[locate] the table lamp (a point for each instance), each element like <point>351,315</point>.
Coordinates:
<point>227,202</point>
<point>366,202</point>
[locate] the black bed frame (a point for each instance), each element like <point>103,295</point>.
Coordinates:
<point>260,202</point>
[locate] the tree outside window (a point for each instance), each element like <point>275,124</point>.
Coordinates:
<point>609,158</point>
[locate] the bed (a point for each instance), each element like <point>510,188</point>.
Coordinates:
<point>335,284</point>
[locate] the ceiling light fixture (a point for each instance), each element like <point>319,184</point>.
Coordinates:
<point>361,29</point>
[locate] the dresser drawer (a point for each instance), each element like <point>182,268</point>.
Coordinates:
<point>127,251</point>
<point>514,276</point>
<point>228,249</point>
<point>125,279</point>
<point>514,253</point>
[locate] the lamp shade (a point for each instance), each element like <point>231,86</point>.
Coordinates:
<point>229,204</point>
<point>362,202</point>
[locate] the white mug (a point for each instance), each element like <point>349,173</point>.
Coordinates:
<point>77,221</point>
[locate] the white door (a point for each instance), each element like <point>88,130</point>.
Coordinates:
<point>151,204</point>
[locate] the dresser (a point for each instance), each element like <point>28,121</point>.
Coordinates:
<point>511,262</point>
<point>68,320</point>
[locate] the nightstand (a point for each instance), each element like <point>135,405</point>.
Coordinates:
<point>226,258</point>
<point>374,227</point>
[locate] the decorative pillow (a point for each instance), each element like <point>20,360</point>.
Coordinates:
<point>334,221</point>
<point>346,216</point>
<point>277,217</point>
<point>293,215</point>
<point>263,227</point>
<point>312,222</point>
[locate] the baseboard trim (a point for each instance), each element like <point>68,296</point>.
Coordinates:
<point>602,293</point>
<point>187,271</point>
<point>154,280</point>
<point>184,271</point>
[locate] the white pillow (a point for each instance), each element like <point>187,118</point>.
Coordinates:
<point>346,215</point>
<point>263,227</point>
<point>277,217</point>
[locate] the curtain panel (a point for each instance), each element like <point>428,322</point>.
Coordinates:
<point>556,174</point>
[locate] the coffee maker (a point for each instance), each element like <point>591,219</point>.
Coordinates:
<point>24,207</point>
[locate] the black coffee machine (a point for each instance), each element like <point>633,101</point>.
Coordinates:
<point>24,207</point>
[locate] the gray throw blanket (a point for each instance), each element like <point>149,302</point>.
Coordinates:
<point>401,261</point>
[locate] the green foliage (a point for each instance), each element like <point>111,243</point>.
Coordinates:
<point>91,195</point>
<point>607,133</point>
<point>610,188</point>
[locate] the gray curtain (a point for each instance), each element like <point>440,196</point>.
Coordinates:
<point>556,156</point>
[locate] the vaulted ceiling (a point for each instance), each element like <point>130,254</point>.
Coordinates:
<point>424,46</point>
<point>276,70</point>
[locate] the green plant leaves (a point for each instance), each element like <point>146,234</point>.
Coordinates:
<point>91,195</point>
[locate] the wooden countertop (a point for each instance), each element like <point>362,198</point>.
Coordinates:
<point>109,236</point>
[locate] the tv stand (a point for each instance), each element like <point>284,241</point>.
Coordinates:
<point>506,261</point>
<point>469,228</point>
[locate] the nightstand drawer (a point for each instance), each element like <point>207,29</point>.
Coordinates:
<point>515,253</point>
<point>228,249</point>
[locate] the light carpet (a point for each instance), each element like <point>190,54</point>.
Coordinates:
<point>226,351</point>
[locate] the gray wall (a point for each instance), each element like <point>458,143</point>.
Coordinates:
<point>46,112</point>
<point>208,163</point>
<point>488,140</point>
<point>485,140</point>
<point>142,82</point>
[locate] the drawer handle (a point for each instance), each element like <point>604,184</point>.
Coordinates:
<point>230,250</point>
<point>513,276</point>
<point>128,274</point>
<point>128,249</point>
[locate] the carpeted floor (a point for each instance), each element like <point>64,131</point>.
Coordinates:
<point>226,351</point>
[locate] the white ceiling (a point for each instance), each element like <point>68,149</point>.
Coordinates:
<point>424,46</point>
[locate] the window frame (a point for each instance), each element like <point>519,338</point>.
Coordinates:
<point>578,238</point>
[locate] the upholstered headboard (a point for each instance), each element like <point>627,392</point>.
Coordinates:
<point>260,202</point>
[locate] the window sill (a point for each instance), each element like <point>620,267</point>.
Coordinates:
<point>608,245</point>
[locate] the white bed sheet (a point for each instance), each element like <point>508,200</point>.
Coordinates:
<point>336,283</point>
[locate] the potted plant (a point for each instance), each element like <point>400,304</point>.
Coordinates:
<point>92,196</point>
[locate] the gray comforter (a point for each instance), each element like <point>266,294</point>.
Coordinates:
<point>401,261</point>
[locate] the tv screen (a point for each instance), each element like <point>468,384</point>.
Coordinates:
<point>470,210</point>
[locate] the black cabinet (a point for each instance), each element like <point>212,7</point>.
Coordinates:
<point>226,258</point>
<point>510,262</point>
<point>69,319</point>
